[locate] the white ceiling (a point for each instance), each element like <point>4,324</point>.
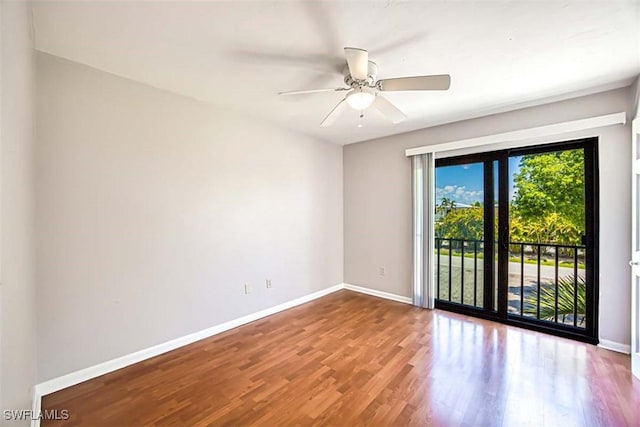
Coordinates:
<point>238,55</point>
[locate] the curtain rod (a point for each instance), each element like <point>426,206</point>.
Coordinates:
<point>522,134</point>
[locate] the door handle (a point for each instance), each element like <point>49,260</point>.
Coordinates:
<point>633,263</point>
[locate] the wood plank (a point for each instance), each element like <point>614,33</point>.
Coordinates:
<point>353,359</point>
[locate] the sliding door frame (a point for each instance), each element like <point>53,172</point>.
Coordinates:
<point>488,297</point>
<point>500,312</point>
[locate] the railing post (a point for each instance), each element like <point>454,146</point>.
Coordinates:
<point>438,243</point>
<point>538,307</point>
<point>450,265</point>
<point>521,280</point>
<point>475,273</point>
<point>556,277</point>
<point>462,272</point>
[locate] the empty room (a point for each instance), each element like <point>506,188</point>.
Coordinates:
<point>340,213</point>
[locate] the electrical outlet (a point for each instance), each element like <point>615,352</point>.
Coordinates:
<point>382,271</point>
<point>269,286</point>
<point>247,288</point>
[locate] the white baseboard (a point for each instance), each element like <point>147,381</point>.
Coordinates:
<point>379,294</point>
<point>73,378</point>
<point>91,372</point>
<point>615,346</point>
<point>36,407</point>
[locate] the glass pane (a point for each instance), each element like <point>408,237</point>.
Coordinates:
<point>546,228</point>
<point>459,231</point>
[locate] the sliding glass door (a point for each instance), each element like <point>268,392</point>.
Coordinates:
<point>459,225</point>
<point>515,237</point>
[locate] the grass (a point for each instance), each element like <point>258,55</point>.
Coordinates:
<point>456,281</point>
<point>543,261</point>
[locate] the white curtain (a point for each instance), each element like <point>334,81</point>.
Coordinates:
<point>423,189</point>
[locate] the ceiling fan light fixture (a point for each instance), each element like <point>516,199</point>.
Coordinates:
<point>361,98</point>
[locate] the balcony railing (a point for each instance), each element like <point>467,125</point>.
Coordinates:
<point>466,273</point>
<point>546,281</point>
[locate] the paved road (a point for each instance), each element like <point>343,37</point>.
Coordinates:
<point>547,272</point>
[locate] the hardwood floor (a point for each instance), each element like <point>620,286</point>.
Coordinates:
<point>351,359</point>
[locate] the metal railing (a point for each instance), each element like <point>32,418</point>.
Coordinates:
<point>445,254</point>
<point>546,280</point>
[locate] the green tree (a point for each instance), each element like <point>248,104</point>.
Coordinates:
<point>461,223</point>
<point>548,205</point>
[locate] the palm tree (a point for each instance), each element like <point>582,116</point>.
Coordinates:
<point>566,287</point>
<point>446,205</point>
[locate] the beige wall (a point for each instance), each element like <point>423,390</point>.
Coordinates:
<point>377,199</point>
<point>636,92</point>
<point>154,210</point>
<point>17,289</point>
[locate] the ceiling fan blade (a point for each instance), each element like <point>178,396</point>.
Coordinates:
<point>300,92</point>
<point>389,110</point>
<point>437,82</point>
<point>358,62</point>
<point>333,115</point>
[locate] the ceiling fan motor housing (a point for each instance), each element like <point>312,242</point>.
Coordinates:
<point>369,82</point>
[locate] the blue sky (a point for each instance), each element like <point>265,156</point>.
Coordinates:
<point>464,183</point>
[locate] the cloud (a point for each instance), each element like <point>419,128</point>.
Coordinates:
<point>459,194</point>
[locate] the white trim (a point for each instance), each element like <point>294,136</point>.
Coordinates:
<point>377,293</point>
<point>36,406</point>
<point>615,346</point>
<point>76,377</point>
<point>524,134</point>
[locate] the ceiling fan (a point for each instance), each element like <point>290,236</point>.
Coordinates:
<point>364,89</point>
